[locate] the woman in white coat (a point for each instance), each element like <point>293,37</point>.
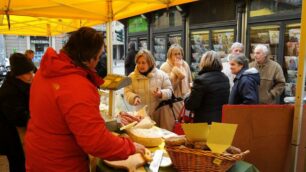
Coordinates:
<point>149,87</point>
<point>180,75</point>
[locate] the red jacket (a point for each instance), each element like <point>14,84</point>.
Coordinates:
<point>65,124</point>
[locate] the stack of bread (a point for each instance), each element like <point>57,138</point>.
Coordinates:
<point>183,142</point>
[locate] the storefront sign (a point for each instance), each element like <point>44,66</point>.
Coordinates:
<point>137,24</point>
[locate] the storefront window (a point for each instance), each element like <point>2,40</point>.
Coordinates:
<point>134,40</point>
<point>174,39</point>
<point>222,40</point>
<point>269,7</point>
<point>39,44</point>
<point>291,53</point>
<point>267,35</point>
<point>170,18</point>
<point>143,43</point>
<point>199,45</point>
<point>160,50</point>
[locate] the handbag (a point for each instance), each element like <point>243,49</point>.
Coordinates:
<point>178,129</point>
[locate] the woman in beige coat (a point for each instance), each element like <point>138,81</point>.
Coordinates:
<point>179,72</point>
<point>149,87</point>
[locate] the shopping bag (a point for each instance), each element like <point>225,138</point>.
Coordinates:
<point>183,118</point>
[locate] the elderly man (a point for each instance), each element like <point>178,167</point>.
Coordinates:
<point>236,48</point>
<point>272,80</point>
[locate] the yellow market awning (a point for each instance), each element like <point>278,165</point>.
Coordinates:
<point>40,26</point>
<point>53,15</point>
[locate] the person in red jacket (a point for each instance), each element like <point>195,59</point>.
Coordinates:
<point>65,124</point>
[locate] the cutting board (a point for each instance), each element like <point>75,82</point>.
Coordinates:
<point>131,164</point>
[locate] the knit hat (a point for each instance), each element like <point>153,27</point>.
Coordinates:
<point>20,64</point>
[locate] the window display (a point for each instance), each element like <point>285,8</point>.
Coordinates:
<point>291,53</point>
<point>267,35</point>
<point>222,40</point>
<point>160,50</point>
<point>143,43</point>
<point>175,39</point>
<point>133,39</point>
<point>199,45</point>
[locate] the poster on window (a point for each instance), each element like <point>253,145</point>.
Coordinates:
<point>294,35</point>
<point>263,37</point>
<point>274,36</point>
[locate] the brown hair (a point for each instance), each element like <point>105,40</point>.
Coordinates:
<point>84,45</point>
<point>27,52</point>
<point>211,61</point>
<point>148,55</point>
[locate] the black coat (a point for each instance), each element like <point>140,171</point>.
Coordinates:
<point>14,112</point>
<point>129,62</point>
<point>209,92</point>
<point>245,88</point>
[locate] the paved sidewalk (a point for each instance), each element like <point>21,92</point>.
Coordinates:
<point>4,165</point>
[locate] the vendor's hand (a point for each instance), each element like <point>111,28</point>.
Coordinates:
<point>157,93</point>
<point>126,119</point>
<point>139,148</point>
<point>137,101</point>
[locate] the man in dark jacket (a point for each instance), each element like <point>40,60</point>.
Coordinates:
<point>210,90</point>
<point>129,62</point>
<point>246,82</point>
<point>14,109</point>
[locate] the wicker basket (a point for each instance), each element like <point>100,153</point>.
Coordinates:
<point>193,160</point>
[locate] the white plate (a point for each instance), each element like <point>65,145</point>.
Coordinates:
<point>165,162</point>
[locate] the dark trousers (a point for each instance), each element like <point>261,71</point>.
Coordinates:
<point>10,145</point>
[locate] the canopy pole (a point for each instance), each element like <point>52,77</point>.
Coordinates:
<point>109,48</point>
<point>298,107</point>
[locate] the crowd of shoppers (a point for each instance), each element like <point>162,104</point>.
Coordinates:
<point>262,83</point>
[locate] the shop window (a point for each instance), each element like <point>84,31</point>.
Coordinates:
<point>267,35</point>
<point>160,51</point>
<point>291,53</point>
<point>168,18</point>
<point>174,39</point>
<point>143,43</point>
<point>199,45</point>
<point>269,7</point>
<point>222,40</point>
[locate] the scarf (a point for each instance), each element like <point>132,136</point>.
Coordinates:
<point>147,72</point>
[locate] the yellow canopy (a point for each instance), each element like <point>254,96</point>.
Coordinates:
<point>40,26</point>
<point>51,17</point>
